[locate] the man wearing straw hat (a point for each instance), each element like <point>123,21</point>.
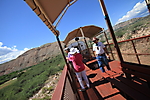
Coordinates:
<point>100,50</point>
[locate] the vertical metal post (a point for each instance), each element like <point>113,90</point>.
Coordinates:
<point>85,40</point>
<point>92,48</point>
<point>148,4</point>
<point>62,50</point>
<point>79,46</point>
<point>109,45</point>
<point>135,52</point>
<point>111,30</point>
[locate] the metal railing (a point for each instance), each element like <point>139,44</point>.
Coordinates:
<point>67,86</point>
<point>135,50</point>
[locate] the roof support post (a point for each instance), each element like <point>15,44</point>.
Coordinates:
<point>108,44</point>
<point>77,39</point>
<point>92,48</point>
<point>69,68</point>
<point>148,4</point>
<point>85,41</point>
<point>61,50</point>
<point>111,30</point>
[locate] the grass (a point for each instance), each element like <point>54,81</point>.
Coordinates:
<point>8,83</point>
<point>30,80</point>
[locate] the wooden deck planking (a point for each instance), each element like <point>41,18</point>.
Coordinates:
<point>100,88</point>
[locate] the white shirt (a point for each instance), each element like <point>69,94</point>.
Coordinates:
<point>98,48</point>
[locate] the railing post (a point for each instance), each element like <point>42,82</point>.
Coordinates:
<point>135,52</point>
<point>109,45</point>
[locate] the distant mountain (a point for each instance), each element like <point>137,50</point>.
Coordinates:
<point>123,24</point>
<point>30,58</point>
<point>130,22</point>
<point>133,28</point>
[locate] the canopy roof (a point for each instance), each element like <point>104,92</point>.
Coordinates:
<point>88,31</point>
<point>49,10</point>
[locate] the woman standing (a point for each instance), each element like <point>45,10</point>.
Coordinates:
<point>79,67</point>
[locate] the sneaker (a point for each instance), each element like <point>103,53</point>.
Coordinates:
<point>82,90</point>
<point>88,86</point>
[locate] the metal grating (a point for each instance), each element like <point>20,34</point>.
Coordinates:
<point>68,91</point>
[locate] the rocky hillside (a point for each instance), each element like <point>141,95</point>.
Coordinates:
<point>45,93</point>
<point>133,28</point>
<point>123,24</point>
<point>31,57</point>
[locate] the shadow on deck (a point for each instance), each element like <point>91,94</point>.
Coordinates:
<point>100,87</point>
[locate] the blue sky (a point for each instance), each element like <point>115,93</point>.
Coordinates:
<point>21,29</point>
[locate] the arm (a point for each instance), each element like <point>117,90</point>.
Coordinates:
<point>94,53</point>
<point>67,58</point>
<point>70,58</point>
<point>94,50</point>
<point>105,50</point>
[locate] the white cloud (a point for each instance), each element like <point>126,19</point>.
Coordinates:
<point>1,44</point>
<point>139,10</point>
<point>4,49</point>
<point>7,53</point>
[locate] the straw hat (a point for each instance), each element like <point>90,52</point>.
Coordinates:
<point>66,49</point>
<point>74,50</point>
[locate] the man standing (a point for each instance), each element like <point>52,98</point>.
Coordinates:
<point>100,50</point>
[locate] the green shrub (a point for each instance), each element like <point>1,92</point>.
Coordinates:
<point>120,33</point>
<point>29,82</point>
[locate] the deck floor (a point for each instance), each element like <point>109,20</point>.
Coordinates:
<point>101,88</point>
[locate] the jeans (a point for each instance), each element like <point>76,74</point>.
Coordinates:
<point>102,60</point>
<point>79,76</point>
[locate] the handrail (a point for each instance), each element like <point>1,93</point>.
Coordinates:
<point>133,53</point>
<point>133,39</point>
<point>133,45</point>
<point>58,92</point>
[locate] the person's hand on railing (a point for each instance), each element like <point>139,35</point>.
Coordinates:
<point>108,57</point>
